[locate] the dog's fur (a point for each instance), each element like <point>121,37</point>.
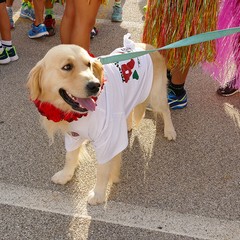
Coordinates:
<point>47,77</point>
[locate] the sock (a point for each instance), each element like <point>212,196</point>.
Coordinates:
<point>1,48</point>
<point>178,89</point>
<point>49,11</point>
<point>7,44</point>
<point>169,75</point>
<point>118,4</point>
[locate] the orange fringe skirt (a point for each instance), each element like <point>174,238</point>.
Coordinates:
<point>168,21</point>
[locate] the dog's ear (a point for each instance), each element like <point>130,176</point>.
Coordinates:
<point>98,70</point>
<point>34,81</point>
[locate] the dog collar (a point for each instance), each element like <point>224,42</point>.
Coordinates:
<point>55,114</point>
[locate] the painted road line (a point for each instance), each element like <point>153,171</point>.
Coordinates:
<point>152,219</point>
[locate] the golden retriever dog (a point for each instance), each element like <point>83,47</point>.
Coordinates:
<point>86,100</point>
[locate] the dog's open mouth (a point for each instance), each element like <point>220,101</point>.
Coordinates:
<point>82,105</point>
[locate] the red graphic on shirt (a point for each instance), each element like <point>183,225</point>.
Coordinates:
<point>127,70</point>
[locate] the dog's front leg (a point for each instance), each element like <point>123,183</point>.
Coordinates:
<point>71,163</point>
<point>98,194</point>
<point>105,173</point>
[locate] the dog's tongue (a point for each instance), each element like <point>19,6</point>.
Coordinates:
<point>87,103</point>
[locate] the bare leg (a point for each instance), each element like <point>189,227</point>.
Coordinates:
<point>39,11</point>
<point>67,22</point>
<point>5,27</point>
<point>179,76</point>
<point>78,20</point>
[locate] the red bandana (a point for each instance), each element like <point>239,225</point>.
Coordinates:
<point>55,114</point>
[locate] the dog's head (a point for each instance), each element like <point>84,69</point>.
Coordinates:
<point>67,77</point>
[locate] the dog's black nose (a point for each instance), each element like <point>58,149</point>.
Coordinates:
<point>93,87</point>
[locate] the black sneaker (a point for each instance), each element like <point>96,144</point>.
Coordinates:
<point>4,57</point>
<point>12,53</point>
<point>228,90</point>
<point>93,33</point>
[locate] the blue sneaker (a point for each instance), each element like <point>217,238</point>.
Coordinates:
<point>27,12</point>
<point>117,14</point>
<point>4,58</point>
<point>177,102</point>
<point>38,31</point>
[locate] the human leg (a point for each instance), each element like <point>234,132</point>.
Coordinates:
<point>27,10</point>
<point>4,23</point>
<point>86,18</point>
<point>7,51</point>
<point>177,97</point>
<point>233,86</point>
<point>78,21</point>
<point>67,22</point>
<point>9,4</point>
<point>38,28</point>
<point>49,19</point>
<point>229,89</point>
<point>117,11</point>
<point>39,11</point>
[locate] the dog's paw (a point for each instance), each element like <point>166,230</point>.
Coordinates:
<point>96,198</point>
<point>62,177</point>
<point>170,134</point>
<point>115,180</point>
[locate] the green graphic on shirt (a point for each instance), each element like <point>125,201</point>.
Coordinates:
<point>135,75</point>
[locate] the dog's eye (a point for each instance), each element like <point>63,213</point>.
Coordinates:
<point>67,67</point>
<point>89,64</point>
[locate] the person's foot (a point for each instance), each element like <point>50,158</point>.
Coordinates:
<point>177,102</point>
<point>12,53</point>
<point>4,58</point>
<point>93,33</point>
<point>27,12</point>
<point>10,15</point>
<point>38,31</point>
<point>117,14</point>
<point>50,25</point>
<point>228,90</point>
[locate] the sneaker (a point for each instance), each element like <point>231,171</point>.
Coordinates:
<point>177,102</point>
<point>27,12</point>
<point>10,15</point>
<point>145,9</point>
<point>38,31</point>
<point>93,33</point>
<point>228,90</point>
<point>4,58</point>
<point>50,25</point>
<point>12,54</point>
<point>117,14</point>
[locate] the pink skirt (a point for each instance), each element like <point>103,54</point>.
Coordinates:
<point>226,66</point>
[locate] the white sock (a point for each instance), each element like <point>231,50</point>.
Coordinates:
<point>7,44</point>
<point>1,48</point>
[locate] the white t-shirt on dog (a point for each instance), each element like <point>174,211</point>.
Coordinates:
<point>128,83</point>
